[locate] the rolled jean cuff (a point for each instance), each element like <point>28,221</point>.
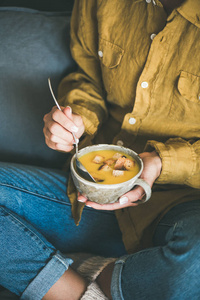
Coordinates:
<point>46,278</point>
<point>116,289</point>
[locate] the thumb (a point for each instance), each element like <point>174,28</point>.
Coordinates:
<point>68,112</point>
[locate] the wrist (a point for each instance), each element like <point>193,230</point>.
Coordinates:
<point>157,162</point>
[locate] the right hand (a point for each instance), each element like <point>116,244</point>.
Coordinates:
<point>58,126</point>
<point>151,171</point>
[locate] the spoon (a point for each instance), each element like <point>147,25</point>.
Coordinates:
<point>82,170</point>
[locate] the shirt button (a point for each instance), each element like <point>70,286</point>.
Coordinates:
<point>100,53</point>
<point>152,36</point>
<point>120,143</point>
<point>132,121</point>
<point>148,1</point>
<point>144,84</point>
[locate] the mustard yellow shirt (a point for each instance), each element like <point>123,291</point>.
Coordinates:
<point>138,85</point>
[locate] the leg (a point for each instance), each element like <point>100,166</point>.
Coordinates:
<point>36,221</point>
<point>30,264</point>
<point>170,270</point>
<point>39,196</point>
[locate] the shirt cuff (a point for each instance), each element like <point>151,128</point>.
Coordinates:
<point>178,160</point>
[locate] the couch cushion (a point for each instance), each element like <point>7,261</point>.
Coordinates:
<point>34,46</point>
<point>51,5</point>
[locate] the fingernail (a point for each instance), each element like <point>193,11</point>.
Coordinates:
<point>81,201</point>
<point>88,206</point>
<point>74,129</point>
<point>123,200</point>
<point>70,109</point>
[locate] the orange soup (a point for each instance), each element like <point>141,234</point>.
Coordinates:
<point>110,166</point>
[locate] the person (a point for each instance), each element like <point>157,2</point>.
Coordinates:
<point>137,85</point>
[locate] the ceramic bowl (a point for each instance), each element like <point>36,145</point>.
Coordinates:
<point>104,193</point>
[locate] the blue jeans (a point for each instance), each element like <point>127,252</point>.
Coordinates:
<point>168,271</point>
<point>36,228</point>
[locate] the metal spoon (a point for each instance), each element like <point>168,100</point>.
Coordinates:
<point>81,169</point>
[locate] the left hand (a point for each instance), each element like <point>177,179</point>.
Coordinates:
<point>152,168</point>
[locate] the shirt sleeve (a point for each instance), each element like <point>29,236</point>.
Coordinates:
<point>180,161</point>
<point>83,89</point>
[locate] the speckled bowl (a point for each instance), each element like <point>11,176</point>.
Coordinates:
<point>104,193</point>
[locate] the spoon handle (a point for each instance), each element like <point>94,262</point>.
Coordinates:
<point>52,93</point>
<point>58,106</point>
<point>82,169</point>
<point>76,144</point>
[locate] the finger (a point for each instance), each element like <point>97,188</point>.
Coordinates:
<point>110,206</point>
<point>61,118</point>
<point>56,139</point>
<point>129,199</point>
<point>68,112</point>
<point>77,119</point>
<point>81,198</point>
<point>144,154</point>
<point>132,196</point>
<point>58,147</point>
<point>56,129</point>
<point>47,118</point>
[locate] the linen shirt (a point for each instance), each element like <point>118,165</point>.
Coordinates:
<point>138,85</point>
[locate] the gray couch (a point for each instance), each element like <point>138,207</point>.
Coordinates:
<point>34,45</point>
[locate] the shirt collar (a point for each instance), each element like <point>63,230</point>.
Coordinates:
<point>190,10</point>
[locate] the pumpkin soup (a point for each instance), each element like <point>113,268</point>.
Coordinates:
<point>110,166</point>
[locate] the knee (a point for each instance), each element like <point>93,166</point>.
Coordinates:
<point>184,277</point>
<point>183,245</point>
<point>181,257</point>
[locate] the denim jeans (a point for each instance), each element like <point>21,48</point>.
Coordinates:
<point>36,228</point>
<point>169,270</point>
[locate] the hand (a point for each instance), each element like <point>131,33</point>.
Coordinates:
<point>58,126</point>
<point>152,169</point>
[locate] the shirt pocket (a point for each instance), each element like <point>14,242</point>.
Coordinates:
<point>110,56</point>
<point>186,100</point>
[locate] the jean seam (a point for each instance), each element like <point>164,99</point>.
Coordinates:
<point>117,275</point>
<point>166,224</point>
<point>34,193</point>
<point>56,268</point>
<point>17,221</point>
<point>45,197</point>
<point>58,257</point>
<point>177,226</point>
